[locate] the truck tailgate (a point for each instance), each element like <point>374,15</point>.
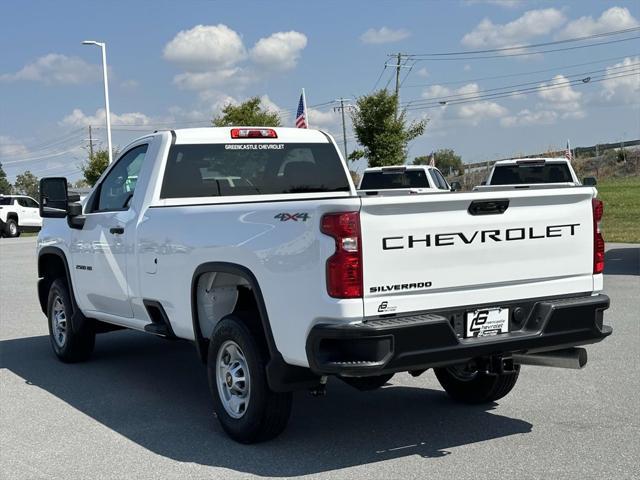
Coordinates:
<point>425,252</point>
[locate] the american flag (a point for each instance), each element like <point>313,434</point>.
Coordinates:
<point>301,114</point>
<point>567,153</point>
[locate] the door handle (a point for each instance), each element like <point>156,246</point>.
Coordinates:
<point>488,207</point>
<point>116,230</point>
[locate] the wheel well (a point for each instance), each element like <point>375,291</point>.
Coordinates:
<point>218,294</point>
<point>12,216</point>
<point>50,267</point>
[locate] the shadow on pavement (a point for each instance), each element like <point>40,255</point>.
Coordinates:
<point>622,261</point>
<point>156,394</point>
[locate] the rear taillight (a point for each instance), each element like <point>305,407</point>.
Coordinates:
<point>598,240</point>
<point>253,133</point>
<point>344,267</point>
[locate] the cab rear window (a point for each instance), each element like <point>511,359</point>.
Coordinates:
<point>252,169</point>
<point>391,180</point>
<point>531,173</point>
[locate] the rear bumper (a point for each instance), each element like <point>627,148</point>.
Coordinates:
<point>416,342</point>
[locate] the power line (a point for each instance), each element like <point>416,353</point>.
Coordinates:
<point>614,70</point>
<point>522,74</point>
<point>535,52</point>
<point>525,91</point>
<point>533,45</point>
<point>384,67</point>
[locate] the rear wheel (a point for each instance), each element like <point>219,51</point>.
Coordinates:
<point>11,228</point>
<point>472,386</point>
<point>367,383</point>
<point>69,344</point>
<point>248,410</point>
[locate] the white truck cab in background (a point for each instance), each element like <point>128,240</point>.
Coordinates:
<point>417,178</point>
<point>533,171</point>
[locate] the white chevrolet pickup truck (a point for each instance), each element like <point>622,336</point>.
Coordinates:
<point>254,244</point>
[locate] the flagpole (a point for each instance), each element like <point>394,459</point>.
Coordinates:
<point>304,104</point>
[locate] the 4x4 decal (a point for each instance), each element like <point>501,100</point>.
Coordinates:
<point>283,217</point>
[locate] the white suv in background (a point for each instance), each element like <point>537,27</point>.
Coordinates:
<point>18,213</point>
<point>417,178</point>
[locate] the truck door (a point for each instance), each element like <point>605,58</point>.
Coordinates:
<point>101,247</point>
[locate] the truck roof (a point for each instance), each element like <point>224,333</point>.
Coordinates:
<point>398,167</point>
<point>223,135</point>
<point>514,161</point>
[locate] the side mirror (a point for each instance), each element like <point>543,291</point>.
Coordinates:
<point>589,181</point>
<point>53,197</point>
<point>455,186</point>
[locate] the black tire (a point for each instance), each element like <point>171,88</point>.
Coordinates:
<point>266,412</point>
<point>11,229</point>
<point>69,344</point>
<point>367,383</point>
<point>476,387</point>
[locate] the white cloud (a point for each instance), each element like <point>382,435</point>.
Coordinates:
<point>526,117</point>
<point>531,24</point>
<point>423,72</point>
<point>560,95</point>
<point>201,81</point>
<point>56,69</point>
<point>77,118</point>
<point>10,147</point>
<point>472,112</point>
<point>624,89</point>
<point>327,119</point>
<point>466,68</point>
<point>205,47</point>
<point>384,35</point>
<point>279,51</point>
<point>615,18</point>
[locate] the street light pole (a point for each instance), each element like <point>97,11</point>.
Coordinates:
<point>103,47</point>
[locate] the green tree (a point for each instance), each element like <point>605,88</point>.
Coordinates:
<point>446,161</point>
<point>26,184</point>
<point>5,186</point>
<point>93,168</point>
<point>249,113</point>
<point>383,134</point>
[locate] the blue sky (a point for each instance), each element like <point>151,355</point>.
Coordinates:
<point>175,64</point>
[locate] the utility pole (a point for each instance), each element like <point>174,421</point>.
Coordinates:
<point>344,125</point>
<point>398,76</point>
<point>398,65</point>
<point>90,144</point>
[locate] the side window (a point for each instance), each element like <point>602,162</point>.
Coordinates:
<point>117,188</point>
<point>22,202</point>
<point>31,203</point>
<point>439,179</point>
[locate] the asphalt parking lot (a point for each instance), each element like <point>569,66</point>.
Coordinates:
<point>141,409</point>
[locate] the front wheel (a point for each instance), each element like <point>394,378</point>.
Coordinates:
<point>472,386</point>
<point>11,229</point>
<point>69,344</point>
<point>248,410</point>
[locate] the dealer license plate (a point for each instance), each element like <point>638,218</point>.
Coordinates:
<point>486,322</point>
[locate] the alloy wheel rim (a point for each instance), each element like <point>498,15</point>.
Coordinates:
<point>59,322</point>
<point>13,229</point>
<point>233,379</point>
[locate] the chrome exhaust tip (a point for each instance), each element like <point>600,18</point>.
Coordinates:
<point>574,358</point>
